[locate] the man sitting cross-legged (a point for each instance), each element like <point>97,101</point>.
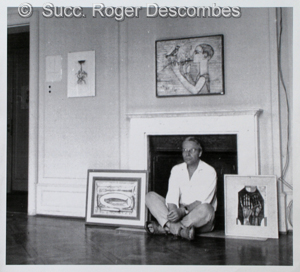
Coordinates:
<point>191,201</point>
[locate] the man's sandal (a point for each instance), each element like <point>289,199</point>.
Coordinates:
<point>156,228</point>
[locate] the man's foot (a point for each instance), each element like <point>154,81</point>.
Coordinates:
<point>153,227</point>
<point>178,229</point>
<point>188,233</point>
<point>174,228</point>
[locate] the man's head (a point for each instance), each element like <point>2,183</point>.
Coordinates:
<point>203,52</point>
<point>191,151</point>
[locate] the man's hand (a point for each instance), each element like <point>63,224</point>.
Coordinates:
<point>247,207</point>
<point>176,214</point>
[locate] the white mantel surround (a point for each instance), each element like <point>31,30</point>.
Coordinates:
<point>242,123</point>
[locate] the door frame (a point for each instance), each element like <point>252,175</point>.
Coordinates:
<point>17,108</point>
<point>13,20</point>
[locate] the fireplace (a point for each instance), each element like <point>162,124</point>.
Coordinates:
<point>219,151</point>
<point>237,129</point>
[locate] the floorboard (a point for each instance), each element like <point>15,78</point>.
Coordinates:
<point>52,240</point>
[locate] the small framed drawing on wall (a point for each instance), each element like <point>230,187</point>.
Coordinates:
<point>81,74</point>
<point>190,66</point>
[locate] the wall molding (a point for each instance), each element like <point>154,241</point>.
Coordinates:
<point>61,199</point>
<point>275,117</point>
<point>253,112</point>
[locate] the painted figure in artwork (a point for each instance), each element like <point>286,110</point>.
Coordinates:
<point>251,206</point>
<point>191,201</point>
<point>190,65</point>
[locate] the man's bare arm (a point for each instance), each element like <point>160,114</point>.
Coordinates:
<point>193,205</point>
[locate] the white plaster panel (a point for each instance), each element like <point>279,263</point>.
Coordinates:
<point>61,200</point>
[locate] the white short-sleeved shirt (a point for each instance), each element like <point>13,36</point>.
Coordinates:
<point>202,186</point>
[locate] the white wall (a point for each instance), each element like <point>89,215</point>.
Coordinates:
<point>76,134</point>
<point>247,67</point>
<point>79,133</point>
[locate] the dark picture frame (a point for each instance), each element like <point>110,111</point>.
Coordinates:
<point>190,66</point>
<point>116,197</point>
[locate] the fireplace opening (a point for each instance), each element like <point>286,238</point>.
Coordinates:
<point>219,151</point>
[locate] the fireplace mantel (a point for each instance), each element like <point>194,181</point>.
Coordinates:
<point>253,112</point>
<point>243,123</point>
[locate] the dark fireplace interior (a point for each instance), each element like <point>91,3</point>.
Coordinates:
<point>220,151</point>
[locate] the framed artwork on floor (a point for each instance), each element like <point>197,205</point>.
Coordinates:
<point>116,197</point>
<point>251,206</point>
<point>190,66</point>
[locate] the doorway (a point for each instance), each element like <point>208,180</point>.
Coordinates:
<point>17,118</point>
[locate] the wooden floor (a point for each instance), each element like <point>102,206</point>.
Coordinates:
<point>52,240</point>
